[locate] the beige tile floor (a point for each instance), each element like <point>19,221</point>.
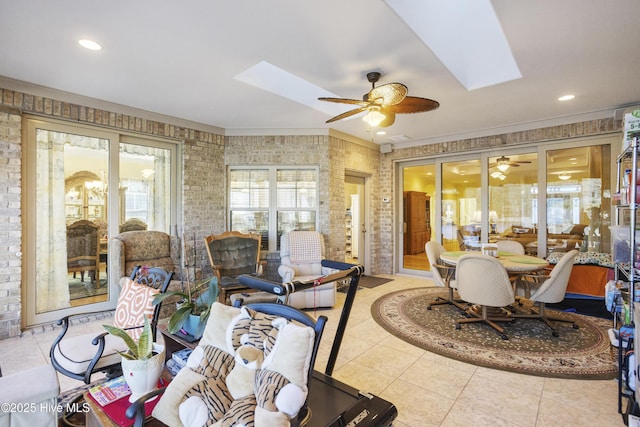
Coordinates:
<point>427,389</point>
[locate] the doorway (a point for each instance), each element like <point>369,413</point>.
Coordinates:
<point>355,220</point>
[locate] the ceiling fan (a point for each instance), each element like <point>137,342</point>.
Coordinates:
<point>383,102</point>
<point>503,163</point>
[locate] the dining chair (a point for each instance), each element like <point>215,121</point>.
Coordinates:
<point>483,281</point>
<point>83,249</point>
<point>510,246</point>
<point>542,289</point>
<point>442,275</point>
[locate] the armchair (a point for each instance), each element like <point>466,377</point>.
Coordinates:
<point>231,255</point>
<point>83,249</point>
<point>81,356</point>
<point>301,255</point>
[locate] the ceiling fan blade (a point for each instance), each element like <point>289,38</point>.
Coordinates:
<point>347,114</point>
<point>414,104</point>
<point>345,101</point>
<point>514,164</point>
<point>388,94</point>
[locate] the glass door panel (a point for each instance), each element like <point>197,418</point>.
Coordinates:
<point>419,189</point>
<point>145,188</point>
<point>461,205</point>
<point>578,199</point>
<point>513,198</point>
<point>66,222</point>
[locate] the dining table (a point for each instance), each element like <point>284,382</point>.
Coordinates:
<point>514,264</point>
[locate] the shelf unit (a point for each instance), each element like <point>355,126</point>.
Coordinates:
<point>625,270</point>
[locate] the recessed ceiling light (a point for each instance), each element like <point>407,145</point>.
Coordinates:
<point>566,97</point>
<point>89,44</point>
<point>381,132</point>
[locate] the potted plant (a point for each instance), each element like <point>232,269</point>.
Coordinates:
<point>194,307</point>
<point>142,364</point>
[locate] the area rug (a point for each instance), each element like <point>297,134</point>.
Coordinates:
<point>583,353</point>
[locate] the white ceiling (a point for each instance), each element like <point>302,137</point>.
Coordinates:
<point>180,58</point>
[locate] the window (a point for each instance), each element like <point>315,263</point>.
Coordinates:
<point>272,201</point>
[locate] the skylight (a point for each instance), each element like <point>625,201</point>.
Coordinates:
<point>268,77</point>
<point>465,35</point>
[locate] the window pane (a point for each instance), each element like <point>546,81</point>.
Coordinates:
<point>460,202</point>
<point>252,222</point>
<point>296,189</point>
<point>249,189</point>
<point>145,184</point>
<point>578,214</point>
<point>513,198</point>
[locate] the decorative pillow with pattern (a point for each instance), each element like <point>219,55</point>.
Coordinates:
<point>135,302</point>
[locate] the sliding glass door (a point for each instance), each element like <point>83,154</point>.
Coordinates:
<point>70,173</point>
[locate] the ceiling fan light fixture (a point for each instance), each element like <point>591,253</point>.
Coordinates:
<point>564,176</point>
<point>503,167</point>
<point>374,117</point>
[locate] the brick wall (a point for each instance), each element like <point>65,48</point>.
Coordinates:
<point>10,221</point>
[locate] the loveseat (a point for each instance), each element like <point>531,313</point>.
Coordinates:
<point>573,239</point>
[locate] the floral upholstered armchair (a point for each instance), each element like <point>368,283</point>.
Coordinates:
<point>148,248</point>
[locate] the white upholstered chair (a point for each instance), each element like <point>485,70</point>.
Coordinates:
<point>510,246</point>
<point>542,289</point>
<point>483,281</point>
<point>441,274</point>
<point>301,255</point>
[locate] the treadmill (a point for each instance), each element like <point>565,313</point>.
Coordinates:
<point>333,403</point>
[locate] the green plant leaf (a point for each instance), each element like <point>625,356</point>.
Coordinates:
<point>163,296</point>
<point>145,342</point>
<point>179,317</point>
<point>121,333</point>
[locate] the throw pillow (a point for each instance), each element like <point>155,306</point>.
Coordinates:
<point>135,302</point>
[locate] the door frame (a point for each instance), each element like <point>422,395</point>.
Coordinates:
<point>364,251</point>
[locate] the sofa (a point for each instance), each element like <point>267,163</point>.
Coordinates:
<point>573,239</point>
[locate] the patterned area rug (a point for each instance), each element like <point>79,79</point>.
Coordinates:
<point>584,353</point>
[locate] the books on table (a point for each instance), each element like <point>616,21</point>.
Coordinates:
<point>110,391</point>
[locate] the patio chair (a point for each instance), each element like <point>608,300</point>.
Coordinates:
<point>81,356</point>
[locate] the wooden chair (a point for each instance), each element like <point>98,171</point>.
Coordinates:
<point>231,255</point>
<point>83,249</point>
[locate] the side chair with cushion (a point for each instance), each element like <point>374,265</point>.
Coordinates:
<point>482,280</point>
<point>441,274</point>
<point>301,255</point>
<point>134,224</point>
<point>549,288</point>
<point>83,249</point>
<point>80,356</point>
<point>231,255</point>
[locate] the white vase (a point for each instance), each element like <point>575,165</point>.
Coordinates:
<point>142,375</point>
